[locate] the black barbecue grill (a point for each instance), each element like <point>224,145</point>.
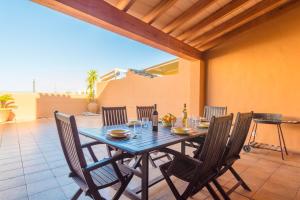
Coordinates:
<point>272,119</point>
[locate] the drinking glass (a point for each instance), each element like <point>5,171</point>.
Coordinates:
<point>197,121</point>
<point>173,122</point>
<point>194,121</point>
<point>145,122</point>
<point>137,126</point>
<point>178,122</point>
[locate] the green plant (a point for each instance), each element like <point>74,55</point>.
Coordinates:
<point>7,101</point>
<point>91,81</point>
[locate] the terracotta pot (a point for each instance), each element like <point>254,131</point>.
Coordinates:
<point>92,107</point>
<point>4,114</point>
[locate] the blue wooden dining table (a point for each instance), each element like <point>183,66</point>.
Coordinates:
<point>141,142</point>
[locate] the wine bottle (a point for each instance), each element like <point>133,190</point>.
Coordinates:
<point>155,119</point>
<point>184,116</point>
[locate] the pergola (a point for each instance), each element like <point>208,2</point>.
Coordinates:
<point>186,28</point>
<point>225,64</point>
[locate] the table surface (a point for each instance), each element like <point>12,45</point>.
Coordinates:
<point>142,141</point>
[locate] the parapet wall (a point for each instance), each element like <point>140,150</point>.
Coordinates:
<point>168,92</point>
<point>31,106</point>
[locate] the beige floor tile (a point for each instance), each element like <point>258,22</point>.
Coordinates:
<point>280,189</point>
<point>257,172</point>
<point>267,195</point>
<point>298,195</point>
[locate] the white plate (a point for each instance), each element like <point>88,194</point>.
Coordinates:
<point>119,133</point>
<point>181,131</point>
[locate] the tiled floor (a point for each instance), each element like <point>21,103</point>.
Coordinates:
<point>32,166</point>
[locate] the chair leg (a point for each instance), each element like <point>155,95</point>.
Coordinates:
<point>198,151</point>
<point>168,156</point>
<point>109,149</point>
<point>220,189</point>
<point>188,191</point>
<point>92,154</point>
<point>137,162</point>
<point>76,195</point>
<point>183,147</point>
<point>243,184</point>
<point>193,145</point>
<point>196,189</point>
<point>96,196</point>
<point>171,185</point>
<point>122,188</point>
<point>212,192</point>
<point>152,162</point>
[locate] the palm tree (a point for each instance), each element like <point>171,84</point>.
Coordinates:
<point>91,81</point>
<point>6,101</point>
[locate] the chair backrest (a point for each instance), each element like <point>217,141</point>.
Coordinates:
<point>238,136</point>
<point>69,139</point>
<point>144,111</point>
<point>215,143</point>
<point>114,115</point>
<point>210,111</point>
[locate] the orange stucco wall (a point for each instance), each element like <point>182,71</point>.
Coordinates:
<point>31,106</point>
<point>259,70</point>
<point>168,92</point>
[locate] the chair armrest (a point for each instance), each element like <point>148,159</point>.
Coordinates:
<point>106,161</point>
<point>181,156</point>
<point>85,145</point>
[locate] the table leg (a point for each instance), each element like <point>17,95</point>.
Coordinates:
<point>145,175</point>
<point>278,130</point>
<point>283,139</point>
<point>183,148</point>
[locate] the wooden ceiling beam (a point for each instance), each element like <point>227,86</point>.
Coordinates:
<point>251,13</point>
<point>187,15</point>
<point>102,14</point>
<point>125,4</point>
<point>222,12</point>
<point>158,10</point>
<point>250,25</point>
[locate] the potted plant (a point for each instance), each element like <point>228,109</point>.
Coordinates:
<point>91,81</point>
<point>6,106</point>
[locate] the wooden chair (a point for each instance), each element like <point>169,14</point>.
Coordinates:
<point>89,177</point>
<point>234,147</point>
<point>114,115</point>
<point>209,112</point>
<point>200,171</point>
<point>144,111</point>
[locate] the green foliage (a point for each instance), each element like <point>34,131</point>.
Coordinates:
<point>7,101</point>
<point>91,81</point>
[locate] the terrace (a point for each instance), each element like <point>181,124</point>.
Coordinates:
<point>33,167</point>
<point>240,54</point>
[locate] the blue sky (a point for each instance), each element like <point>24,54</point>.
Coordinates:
<point>57,50</point>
